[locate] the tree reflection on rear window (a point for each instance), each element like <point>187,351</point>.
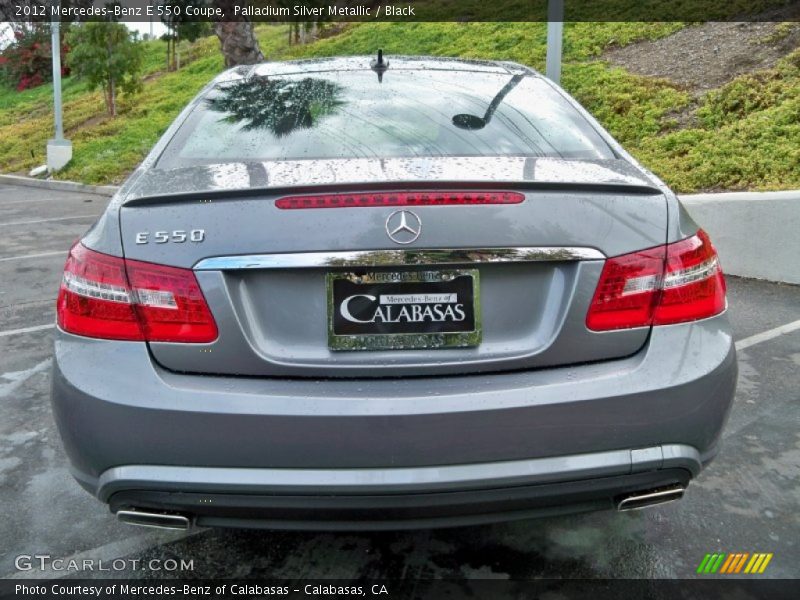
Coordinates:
<point>411,113</point>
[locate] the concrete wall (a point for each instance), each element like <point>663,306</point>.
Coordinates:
<point>757,234</point>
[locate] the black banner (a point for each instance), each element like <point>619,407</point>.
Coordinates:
<point>278,11</point>
<point>122,589</point>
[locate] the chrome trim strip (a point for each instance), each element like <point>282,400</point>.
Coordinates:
<point>397,258</point>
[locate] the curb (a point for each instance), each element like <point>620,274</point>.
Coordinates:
<point>65,186</point>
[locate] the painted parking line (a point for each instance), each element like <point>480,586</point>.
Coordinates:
<point>26,330</point>
<point>52,201</point>
<point>35,221</point>
<point>767,335</point>
<point>27,303</point>
<point>16,379</point>
<point>764,336</point>
<point>40,255</point>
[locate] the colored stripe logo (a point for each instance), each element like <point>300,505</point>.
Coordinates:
<point>731,564</point>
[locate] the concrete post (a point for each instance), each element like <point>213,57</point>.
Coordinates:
<point>59,150</point>
<point>555,34</point>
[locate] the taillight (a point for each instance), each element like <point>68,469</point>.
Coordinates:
<point>169,303</point>
<point>627,291</point>
<point>693,286</point>
<point>420,198</point>
<point>108,297</point>
<point>668,284</point>
<point>95,299</point>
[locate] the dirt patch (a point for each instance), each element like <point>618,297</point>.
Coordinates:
<point>152,76</point>
<point>703,57</point>
<point>90,122</point>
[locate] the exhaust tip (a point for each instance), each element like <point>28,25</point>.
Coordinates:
<point>157,520</point>
<point>647,498</point>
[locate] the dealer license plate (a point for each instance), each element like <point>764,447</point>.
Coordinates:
<point>404,310</point>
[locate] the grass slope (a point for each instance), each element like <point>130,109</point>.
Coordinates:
<point>745,135</point>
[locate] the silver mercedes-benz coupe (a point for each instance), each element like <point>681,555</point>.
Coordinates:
<point>385,293</point>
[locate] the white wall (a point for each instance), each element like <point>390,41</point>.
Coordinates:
<point>757,234</point>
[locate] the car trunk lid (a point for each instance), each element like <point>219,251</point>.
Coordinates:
<point>266,272</point>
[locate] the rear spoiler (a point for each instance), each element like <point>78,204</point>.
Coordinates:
<point>221,195</point>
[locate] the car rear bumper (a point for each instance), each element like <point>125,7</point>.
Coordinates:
<point>375,511</point>
<point>471,447</point>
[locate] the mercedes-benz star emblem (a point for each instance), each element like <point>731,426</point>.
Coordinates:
<point>403,226</point>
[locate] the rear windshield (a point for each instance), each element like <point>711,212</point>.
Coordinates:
<point>410,113</point>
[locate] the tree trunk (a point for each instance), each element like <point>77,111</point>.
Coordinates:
<point>113,95</point>
<point>237,39</point>
<point>111,98</point>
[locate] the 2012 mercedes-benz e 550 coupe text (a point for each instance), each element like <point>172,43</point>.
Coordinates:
<point>430,292</point>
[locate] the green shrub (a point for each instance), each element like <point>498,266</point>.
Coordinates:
<point>108,56</point>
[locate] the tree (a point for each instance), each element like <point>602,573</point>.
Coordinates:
<point>109,56</point>
<point>300,30</point>
<point>26,62</point>
<point>237,39</point>
<point>278,105</point>
<point>180,27</point>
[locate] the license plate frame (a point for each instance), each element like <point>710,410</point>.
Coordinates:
<point>395,284</point>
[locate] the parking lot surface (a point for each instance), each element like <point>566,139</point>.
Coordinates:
<point>748,500</point>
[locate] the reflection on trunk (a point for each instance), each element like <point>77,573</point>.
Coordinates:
<point>279,105</point>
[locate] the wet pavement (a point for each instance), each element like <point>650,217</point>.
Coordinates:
<point>748,500</point>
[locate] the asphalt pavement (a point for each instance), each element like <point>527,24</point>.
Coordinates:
<point>748,500</point>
